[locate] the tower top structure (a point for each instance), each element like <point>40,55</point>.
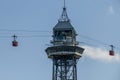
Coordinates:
<point>64,17</point>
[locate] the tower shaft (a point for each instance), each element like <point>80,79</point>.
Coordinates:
<point>64,68</point>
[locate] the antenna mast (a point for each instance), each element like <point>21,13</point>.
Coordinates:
<point>64,4</point>
<point>64,16</point>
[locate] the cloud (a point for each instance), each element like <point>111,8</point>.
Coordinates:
<point>100,54</point>
<point>111,10</point>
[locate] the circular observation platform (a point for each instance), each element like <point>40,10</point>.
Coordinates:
<point>64,52</point>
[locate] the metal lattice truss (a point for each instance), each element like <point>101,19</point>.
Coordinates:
<point>64,69</point>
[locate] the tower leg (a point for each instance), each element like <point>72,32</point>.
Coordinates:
<point>64,68</point>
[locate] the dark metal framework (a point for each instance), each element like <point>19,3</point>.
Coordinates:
<point>64,68</point>
<point>64,52</point>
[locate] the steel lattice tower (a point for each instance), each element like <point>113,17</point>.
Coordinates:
<point>65,51</point>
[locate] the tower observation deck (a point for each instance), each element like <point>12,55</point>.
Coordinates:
<point>64,51</point>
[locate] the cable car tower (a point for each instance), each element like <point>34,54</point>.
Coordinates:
<point>64,51</point>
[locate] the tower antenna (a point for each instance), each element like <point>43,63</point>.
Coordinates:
<point>64,3</point>
<point>64,16</point>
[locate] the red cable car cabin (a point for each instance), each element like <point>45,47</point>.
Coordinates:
<point>111,53</point>
<point>14,43</point>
